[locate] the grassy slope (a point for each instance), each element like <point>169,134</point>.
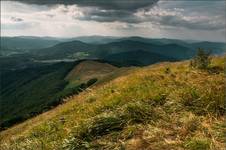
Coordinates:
<point>90,69</point>
<point>87,70</point>
<point>30,91</point>
<point>150,108</point>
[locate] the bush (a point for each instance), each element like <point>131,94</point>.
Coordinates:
<point>167,70</point>
<point>201,60</point>
<point>91,82</point>
<point>216,69</point>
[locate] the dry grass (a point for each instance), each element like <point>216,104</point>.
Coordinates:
<point>163,106</point>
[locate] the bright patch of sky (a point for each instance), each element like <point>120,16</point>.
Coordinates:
<point>196,20</point>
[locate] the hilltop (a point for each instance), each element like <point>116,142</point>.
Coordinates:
<point>89,69</point>
<point>162,106</point>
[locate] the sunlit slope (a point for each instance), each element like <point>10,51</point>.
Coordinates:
<point>28,92</point>
<point>87,70</point>
<point>163,106</point>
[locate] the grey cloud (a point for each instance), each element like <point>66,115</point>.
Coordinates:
<point>125,11</point>
<point>103,10</point>
<point>50,15</point>
<point>129,5</point>
<point>15,19</point>
<point>195,22</point>
<point>176,21</point>
<point>111,16</point>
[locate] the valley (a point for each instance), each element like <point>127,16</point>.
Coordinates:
<point>123,80</point>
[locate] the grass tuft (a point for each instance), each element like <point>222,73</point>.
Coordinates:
<point>198,144</point>
<point>83,135</point>
<point>139,112</point>
<point>213,101</point>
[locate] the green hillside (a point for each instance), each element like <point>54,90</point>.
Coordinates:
<point>35,89</point>
<point>88,70</point>
<point>28,92</point>
<point>163,106</point>
<point>168,50</point>
<point>63,50</point>
<point>137,58</point>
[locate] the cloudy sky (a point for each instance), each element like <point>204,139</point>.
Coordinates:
<point>188,19</point>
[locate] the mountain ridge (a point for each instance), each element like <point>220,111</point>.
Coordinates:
<point>165,105</point>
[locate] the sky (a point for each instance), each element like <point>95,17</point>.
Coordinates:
<point>203,20</point>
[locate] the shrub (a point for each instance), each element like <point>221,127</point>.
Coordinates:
<point>167,70</point>
<point>216,69</point>
<point>91,82</point>
<point>201,60</point>
<point>82,87</point>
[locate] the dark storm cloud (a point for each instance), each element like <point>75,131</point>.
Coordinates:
<point>111,16</point>
<point>107,11</point>
<point>129,5</point>
<point>126,11</point>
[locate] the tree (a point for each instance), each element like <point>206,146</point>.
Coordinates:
<point>201,60</point>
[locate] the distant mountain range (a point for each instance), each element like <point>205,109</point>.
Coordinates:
<point>27,43</point>
<point>117,49</point>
